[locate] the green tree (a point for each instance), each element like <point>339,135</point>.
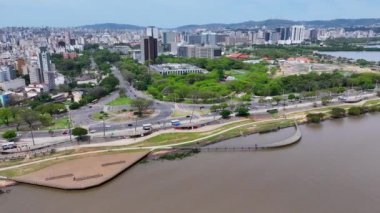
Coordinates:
<point>30,117</point>
<point>9,134</point>
<point>46,119</point>
<point>140,105</point>
<point>292,97</point>
<point>79,132</point>
<point>277,99</point>
<point>5,115</point>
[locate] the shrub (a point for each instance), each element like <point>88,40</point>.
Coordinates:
<point>242,111</point>
<point>338,112</point>
<point>355,111</point>
<point>225,113</point>
<point>74,106</point>
<point>315,117</point>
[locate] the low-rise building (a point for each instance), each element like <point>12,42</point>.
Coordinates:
<point>177,69</point>
<point>12,84</point>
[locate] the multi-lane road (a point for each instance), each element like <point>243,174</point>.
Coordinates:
<point>163,110</point>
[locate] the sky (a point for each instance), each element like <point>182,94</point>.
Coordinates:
<point>174,13</point>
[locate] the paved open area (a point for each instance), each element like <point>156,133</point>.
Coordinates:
<point>83,173</point>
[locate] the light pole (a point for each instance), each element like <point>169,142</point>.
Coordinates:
<point>104,127</point>
<point>69,122</point>
<point>136,125</point>
<point>192,114</point>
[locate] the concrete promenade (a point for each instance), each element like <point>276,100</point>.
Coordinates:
<point>286,142</point>
<point>83,173</point>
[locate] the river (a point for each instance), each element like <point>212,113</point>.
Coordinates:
<point>334,168</point>
<point>367,55</point>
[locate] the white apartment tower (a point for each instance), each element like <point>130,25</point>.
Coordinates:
<point>297,34</point>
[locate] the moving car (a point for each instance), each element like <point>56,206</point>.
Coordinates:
<point>147,126</point>
<point>9,145</point>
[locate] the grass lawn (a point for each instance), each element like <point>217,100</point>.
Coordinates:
<point>58,124</point>
<point>179,113</point>
<point>249,128</point>
<point>120,101</point>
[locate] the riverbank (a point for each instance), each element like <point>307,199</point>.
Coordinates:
<point>170,141</point>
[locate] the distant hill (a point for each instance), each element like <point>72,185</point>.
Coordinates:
<point>271,23</point>
<point>112,26</point>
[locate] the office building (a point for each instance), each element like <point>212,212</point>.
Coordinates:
<point>297,34</point>
<point>149,50</point>
<point>208,38</point>
<point>193,51</point>
<point>152,31</point>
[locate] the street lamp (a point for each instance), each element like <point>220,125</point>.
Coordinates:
<point>104,127</point>
<point>136,125</point>
<point>69,122</point>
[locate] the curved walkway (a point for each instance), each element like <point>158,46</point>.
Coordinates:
<point>286,142</point>
<point>151,148</point>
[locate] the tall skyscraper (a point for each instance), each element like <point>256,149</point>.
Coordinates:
<point>149,50</point>
<point>152,31</point>
<point>298,34</point>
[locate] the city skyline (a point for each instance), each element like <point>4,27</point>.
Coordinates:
<point>170,13</point>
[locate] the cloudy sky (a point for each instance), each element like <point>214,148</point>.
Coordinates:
<point>172,13</point>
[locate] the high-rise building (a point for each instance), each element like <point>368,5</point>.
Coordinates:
<point>169,37</point>
<point>149,50</point>
<point>298,34</point>
<point>45,74</point>
<point>208,38</point>
<point>284,32</point>
<point>152,31</point>
<point>7,73</point>
<point>34,74</point>
<point>314,35</point>
<point>194,39</point>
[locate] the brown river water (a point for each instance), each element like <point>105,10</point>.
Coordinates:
<point>335,168</point>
